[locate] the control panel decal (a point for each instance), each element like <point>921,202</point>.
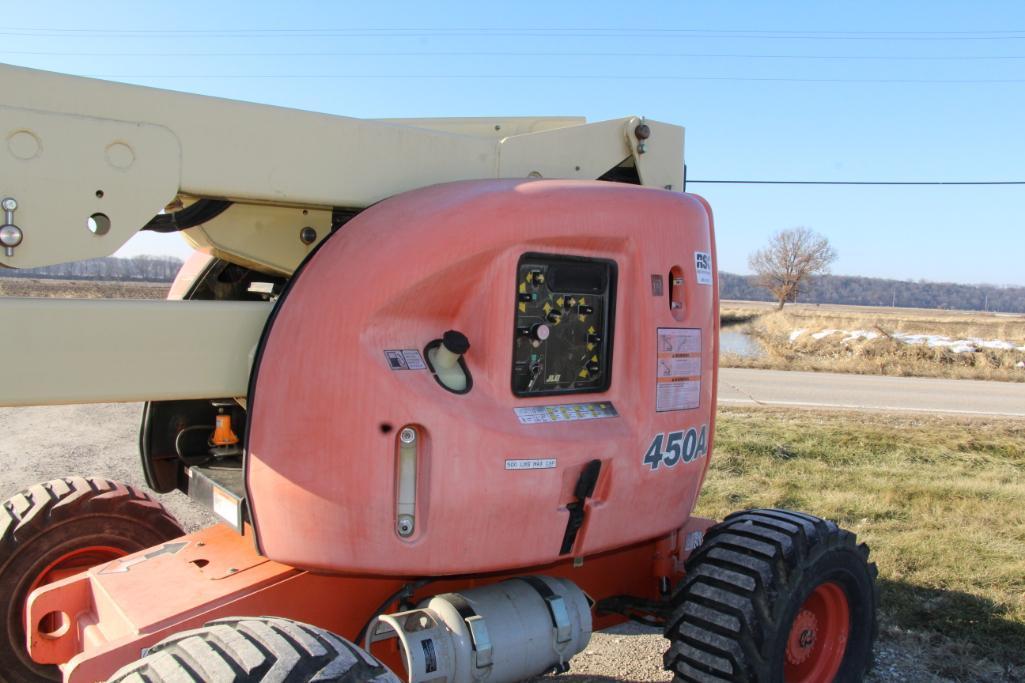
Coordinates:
<point>678,369</point>
<point>562,336</point>
<point>568,412</point>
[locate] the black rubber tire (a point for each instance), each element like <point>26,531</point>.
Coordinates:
<point>250,649</point>
<point>742,590</point>
<point>45,522</point>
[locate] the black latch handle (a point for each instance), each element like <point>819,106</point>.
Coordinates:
<point>583,490</point>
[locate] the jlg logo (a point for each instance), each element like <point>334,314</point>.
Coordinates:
<point>684,446</point>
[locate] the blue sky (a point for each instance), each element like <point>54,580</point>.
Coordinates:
<point>766,90</point>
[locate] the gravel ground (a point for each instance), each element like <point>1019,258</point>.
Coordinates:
<point>41,443</point>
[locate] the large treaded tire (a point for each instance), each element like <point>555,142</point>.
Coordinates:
<point>746,585</point>
<point>251,649</point>
<point>58,522</point>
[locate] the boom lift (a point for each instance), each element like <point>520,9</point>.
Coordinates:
<point>449,383</point>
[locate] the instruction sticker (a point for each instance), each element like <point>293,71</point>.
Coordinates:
<point>678,369</point>
<point>568,412</point>
<point>404,359</point>
<point>703,267</point>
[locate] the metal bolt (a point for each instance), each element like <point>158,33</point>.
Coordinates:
<point>10,237</point>
<point>10,234</point>
<point>308,235</point>
<point>407,435</point>
<point>405,526</point>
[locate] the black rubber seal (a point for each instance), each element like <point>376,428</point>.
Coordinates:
<point>201,211</point>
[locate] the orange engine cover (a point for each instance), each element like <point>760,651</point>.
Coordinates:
<point>494,485</point>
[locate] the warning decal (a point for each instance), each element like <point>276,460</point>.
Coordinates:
<point>703,267</point>
<point>678,369</point>
<point>405,359</point>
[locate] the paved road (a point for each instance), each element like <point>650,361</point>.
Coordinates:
<point>872,392</point>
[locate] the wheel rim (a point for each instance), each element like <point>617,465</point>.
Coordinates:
<point>818,636</point>
<point>74,562</point>
<point>68,564</point>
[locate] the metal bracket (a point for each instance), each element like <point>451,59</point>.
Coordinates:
<point>560,615</point>
<point>557,610</point>
<point>482,650</point>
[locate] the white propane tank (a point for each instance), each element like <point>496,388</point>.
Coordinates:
<point>506,632</point>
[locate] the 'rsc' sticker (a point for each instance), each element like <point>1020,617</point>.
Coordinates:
<point>675,447</point>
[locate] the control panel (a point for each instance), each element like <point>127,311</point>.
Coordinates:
<point>563,331</point>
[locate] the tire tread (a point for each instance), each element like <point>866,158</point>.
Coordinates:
<point>255,649</point>
<point>729,607</point>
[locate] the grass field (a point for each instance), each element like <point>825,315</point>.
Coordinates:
<point>82,289</point>
<point>869,340</point>
<point>940,501</point>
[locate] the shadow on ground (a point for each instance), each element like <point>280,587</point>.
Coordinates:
<point>956,635</point>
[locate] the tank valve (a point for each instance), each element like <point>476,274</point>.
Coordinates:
<point>445,356</point>
<point>10,234</point>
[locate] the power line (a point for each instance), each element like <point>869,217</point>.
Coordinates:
<point>578,77</point>
<point>524,32</point>
<point>465,53</point>
<point>858,182</point>
<point>484,29</point>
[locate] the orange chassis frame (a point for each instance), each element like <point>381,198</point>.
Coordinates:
<point>95,622</point>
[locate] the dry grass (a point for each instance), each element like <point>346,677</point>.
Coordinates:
<point>883,355</point>
<point>939,500</point>
<point>81,289</point>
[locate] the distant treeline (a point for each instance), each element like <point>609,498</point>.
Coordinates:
<point>826,289</point>
<point>871,291</point>
<point>137,268</point>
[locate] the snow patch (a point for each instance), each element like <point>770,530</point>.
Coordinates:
<point>995,344</point>
<point>970,345</point>
<point>855,335</point>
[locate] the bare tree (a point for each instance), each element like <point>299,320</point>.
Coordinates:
<point>792,257</point>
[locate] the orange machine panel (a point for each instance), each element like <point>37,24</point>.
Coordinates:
<point>501,469</point>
